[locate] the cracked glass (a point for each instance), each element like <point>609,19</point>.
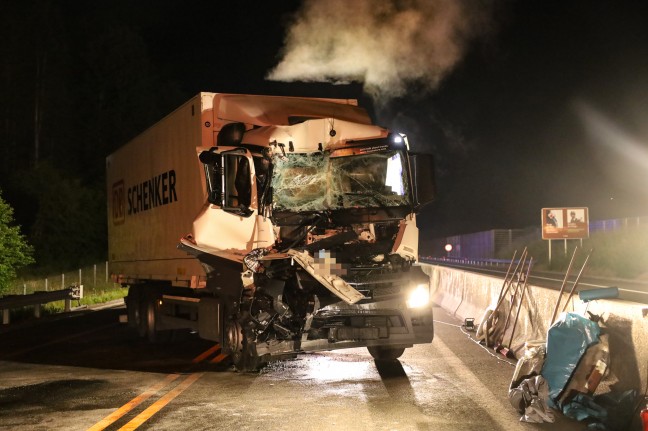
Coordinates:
<point>316,182</point>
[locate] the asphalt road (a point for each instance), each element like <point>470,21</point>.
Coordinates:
<point>86,370</point>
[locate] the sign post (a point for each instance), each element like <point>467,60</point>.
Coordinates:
<point>564,223</point>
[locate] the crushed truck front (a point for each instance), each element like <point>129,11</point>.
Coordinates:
<point>321,215</point>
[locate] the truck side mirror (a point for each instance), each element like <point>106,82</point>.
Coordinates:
<point>213,164</point>
<point>422,167</point>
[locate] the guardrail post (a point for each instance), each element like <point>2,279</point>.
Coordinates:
<point>68,305</point>
<point>37,311</point>
<point>94,280</point>
<point>5,316</point>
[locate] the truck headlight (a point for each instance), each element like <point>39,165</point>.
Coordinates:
<point>419,297</point>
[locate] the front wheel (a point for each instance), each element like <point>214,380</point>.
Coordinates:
<point>384,353</point>
<point>241,349</point>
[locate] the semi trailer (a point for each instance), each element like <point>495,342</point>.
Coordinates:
<point>273,226</point>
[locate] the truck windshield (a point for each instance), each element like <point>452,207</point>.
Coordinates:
<point>321,181</point>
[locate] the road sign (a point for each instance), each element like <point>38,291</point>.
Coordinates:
<point>565,223</point>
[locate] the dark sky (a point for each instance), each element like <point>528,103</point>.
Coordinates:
<point>541,104</point>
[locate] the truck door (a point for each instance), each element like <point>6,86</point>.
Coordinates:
<point>228,223</point>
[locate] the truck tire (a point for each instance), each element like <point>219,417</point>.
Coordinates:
<point>385,353</point>
<point>242,351</point>
<point>133,307</point>
<point>142,324</point>
<point>149,317</point>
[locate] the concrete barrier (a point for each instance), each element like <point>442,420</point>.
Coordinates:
<point>467,295</point>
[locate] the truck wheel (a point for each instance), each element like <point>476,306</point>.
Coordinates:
<point>150,318</point>
<point>384,353</point>
<point>133,307</point>
<point>142,323</point>
<point>242,351</point>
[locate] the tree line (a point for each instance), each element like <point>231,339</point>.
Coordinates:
<point>72,91</point>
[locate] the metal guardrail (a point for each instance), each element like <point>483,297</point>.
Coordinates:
<point>36,299</point>
<point>466,261</point>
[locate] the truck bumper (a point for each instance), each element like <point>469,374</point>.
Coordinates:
<point>341,326</point>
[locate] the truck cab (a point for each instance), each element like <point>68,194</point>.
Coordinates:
<point>327,239</point>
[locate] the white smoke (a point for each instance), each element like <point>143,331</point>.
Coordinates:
<point>386,44</point>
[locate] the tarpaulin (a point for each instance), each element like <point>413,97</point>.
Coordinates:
<point>567,341</point>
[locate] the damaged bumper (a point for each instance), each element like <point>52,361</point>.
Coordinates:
<point>386,323</point>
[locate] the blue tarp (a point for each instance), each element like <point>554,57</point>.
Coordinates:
<point>567,341</point>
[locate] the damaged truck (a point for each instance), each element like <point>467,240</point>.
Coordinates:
<point>273,226</point>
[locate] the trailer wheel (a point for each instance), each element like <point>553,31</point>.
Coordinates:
<point>133,307</point>
<point>384,353</point>
<point>150,317</point>
<point>142,323</point>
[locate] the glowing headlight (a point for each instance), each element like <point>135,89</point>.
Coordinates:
<point>419,297</point>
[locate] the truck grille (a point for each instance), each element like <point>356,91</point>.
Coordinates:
<point>377,285</point>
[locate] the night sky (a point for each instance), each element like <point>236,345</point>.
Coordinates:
<point>532,104</point>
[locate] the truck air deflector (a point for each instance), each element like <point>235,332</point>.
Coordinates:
<point>272,110</point>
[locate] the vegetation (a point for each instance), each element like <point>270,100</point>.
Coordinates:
<point>74,91</point>
<point>621,253</point>
<point>97,289</point>
<point>15,252</point>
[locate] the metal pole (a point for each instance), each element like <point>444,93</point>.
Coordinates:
<point>517,313</point>
<point>94,280</point>
<point>549,252</point>
<point>106,271</point>
<point>80,283</point>
<point>46,289</point>
<point>63,281</point>
<point>562,288</point>
<point>571,292</point>
<point>565,246</point>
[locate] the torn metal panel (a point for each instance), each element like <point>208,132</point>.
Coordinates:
<point>229,235</point>
<point>406,243</point>
<point>324,273</point>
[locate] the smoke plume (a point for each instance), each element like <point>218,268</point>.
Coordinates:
<point>385,44</point>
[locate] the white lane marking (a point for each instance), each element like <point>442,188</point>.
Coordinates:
<point>480,394</point>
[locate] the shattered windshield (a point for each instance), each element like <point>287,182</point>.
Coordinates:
<point>315,182</point>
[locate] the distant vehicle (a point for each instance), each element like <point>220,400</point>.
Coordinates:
<point>272,225</point>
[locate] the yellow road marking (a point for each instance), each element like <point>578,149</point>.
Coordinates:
<point>114,416</point>
<point>219,358</point>
<point>206,353</point>
<point>117,414</point>
<point>159,404</point>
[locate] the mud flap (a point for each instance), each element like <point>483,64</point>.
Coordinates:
<point>210,319</point>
